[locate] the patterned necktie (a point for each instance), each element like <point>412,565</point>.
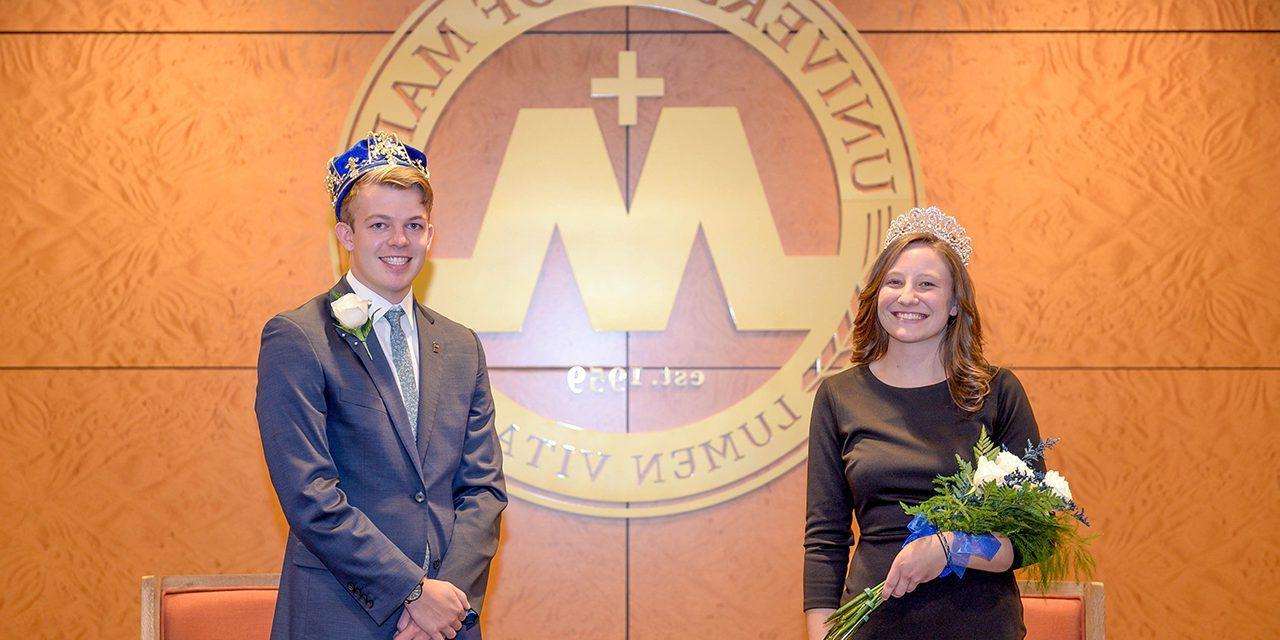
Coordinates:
<point>404,367</point>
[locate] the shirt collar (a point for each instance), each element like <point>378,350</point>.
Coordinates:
<point>377,304</point>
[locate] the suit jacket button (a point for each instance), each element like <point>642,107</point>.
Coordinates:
<point>435,564</point>
<point>419,497</point>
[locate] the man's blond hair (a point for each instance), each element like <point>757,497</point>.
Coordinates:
<point>395,175</point>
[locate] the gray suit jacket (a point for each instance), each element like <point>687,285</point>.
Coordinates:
<point>362,499</point>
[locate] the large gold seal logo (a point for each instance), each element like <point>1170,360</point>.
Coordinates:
<point>709,190</point>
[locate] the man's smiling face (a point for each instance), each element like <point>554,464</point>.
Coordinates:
<point>388,237</point>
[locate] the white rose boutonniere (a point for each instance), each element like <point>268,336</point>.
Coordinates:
<point>351,316</point>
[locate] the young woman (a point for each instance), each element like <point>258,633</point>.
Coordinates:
<point>919,393</point>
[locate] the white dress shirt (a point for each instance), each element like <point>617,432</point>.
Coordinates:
<point>382,329</point>
<point>382,326</point>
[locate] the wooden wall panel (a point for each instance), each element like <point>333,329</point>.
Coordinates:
<point>112,475</point>
<point>1054,15</point>
<point>1110,190</point>
<point>246,16</point>
<point>1178,472</point>
<point>701,330</point>
<point>558,576</point>
<point>118,474</point>
<point>659,20</point>
<point>660,408</point>
<point>1176,468</point>
<point>709,69</point>
<point>196,15</point>
<point>1114,187</point>
<point>556,330</point>
<point>470,139</point>
<point>166,196</point>
<point>546,392</point>
<point>729,571</point>
<point>921,15</point>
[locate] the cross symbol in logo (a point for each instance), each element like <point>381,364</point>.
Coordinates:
<point>627,88</point>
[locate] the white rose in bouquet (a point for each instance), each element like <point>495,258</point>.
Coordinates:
<point>1010,463</point>
<point>1058,485</point>
<point>986,472</point>
<point>350,311</point>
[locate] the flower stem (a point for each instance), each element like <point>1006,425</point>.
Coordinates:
<point>853,614</point>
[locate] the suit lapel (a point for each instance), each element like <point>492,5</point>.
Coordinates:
<point>375,364</point>
<point>429,363</point>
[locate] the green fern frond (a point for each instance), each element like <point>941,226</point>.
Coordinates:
<point>985,447</point>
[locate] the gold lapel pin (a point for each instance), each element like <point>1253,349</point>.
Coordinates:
<point>435,346</point>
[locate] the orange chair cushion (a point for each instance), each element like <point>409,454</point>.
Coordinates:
<point>1053,617</point>
<point>233,613</point>
<point>244,613</point>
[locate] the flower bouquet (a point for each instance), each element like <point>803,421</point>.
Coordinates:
<point>999,494</point>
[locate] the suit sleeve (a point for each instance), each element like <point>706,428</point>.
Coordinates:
<point>1015,424</point>
<point>479,495</point>
<point>291,418</point>
<point>829,518</point>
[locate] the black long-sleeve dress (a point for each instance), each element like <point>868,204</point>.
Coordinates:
<point>872,446</point>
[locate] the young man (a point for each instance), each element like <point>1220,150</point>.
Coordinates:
<point>377,426</point>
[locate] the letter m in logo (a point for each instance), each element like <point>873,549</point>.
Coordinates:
<point>628,264</point>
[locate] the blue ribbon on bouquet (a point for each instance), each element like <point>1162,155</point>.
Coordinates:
<point>963,546</point>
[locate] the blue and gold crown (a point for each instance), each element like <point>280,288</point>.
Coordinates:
<point>378,149</point>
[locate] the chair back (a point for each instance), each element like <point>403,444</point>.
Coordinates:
<point>228,607</point>
<point>240,607</point>
<point>1064,611</point>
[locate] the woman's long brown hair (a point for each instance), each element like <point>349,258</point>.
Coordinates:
<point>968,373</point>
